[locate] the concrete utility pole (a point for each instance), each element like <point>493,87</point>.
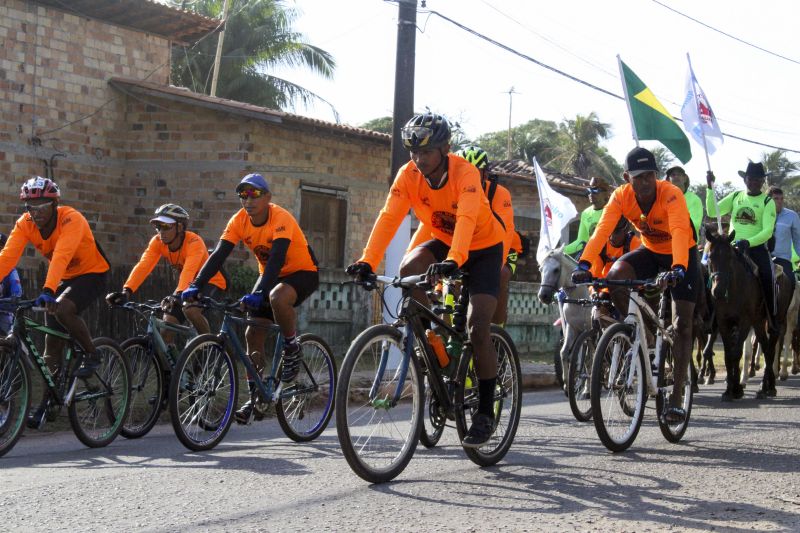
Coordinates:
<point>403,79</point>
<point>508,148</point>
<point>218,56</point>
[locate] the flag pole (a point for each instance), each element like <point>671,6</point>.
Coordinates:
<point>705,145</point>
<point>627,99</point>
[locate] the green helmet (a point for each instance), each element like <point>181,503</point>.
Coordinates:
<point>475,155</point>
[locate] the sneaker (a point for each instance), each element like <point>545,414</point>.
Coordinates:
<point>479,432</point>
<point>251,409</point>
<point>674,416</point>
<point>91,362</point>
<point>37,417</point>
<point>292,357</point>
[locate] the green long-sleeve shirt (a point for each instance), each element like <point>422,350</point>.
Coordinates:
<point>752,217</point>
<point>589,219</point>
<point>695,205</point>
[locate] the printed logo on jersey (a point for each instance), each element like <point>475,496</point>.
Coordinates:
<point>454,205</point>
<point>262,254</point>
<point>746,216</point>
<point>507,203</point>
<point>395,191</point>
<point>469,188</point>
<point>444,221</point>
<point>652,234</point>
<point>280,228</point>
<point>426,201</point>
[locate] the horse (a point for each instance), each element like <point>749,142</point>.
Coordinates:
<point>556,269</point>
<point>704,331</point>
<point>739,305</point>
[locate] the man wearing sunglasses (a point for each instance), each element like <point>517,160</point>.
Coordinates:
<point>75,278</point>
<point>598,192</point>
<point>446,195</point>
<point>185,252</point>
<point>288,276</point>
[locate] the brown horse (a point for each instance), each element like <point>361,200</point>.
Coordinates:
<point>739,306</point>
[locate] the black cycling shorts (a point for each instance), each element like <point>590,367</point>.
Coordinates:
<point>82,291</point>
<point>304,283</point>
<point>483,266</point>
<point>647,264</point>
<point>176,309</point>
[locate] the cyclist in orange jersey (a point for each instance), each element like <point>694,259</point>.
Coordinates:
<point>186,252</point>
<point>288,276</point>
<point>76,275</point>
<point>446,194</point>
<point>658,210</point>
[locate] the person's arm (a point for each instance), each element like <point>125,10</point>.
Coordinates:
<point>679,226</point>
<point>213,263</point>
<point>502,206</point>
<point>767,225</point>
<point>725,205</point>
<point>605,227</point>
<point>583,235</point>
<point>695,206</point>
<point>470,199</point>
<point>144,267</point>
<point>12,251</point>
<point>195,252</point>
<point>14,284</point>
<point>73,228</point>
<point>423,234</point>
<point>389,219</point>
<point>795,233</point>
<point>277,258</point>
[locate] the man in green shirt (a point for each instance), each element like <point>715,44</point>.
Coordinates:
<point>677,176</point>
<point>753,222</point>
<point>598,191</point>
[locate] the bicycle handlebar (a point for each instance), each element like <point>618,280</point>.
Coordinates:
<point>417,281</point>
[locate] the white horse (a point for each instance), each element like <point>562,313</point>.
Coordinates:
<point>556,270</point>
<point>781,364</point>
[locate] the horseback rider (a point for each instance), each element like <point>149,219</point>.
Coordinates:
<point>753,217</point>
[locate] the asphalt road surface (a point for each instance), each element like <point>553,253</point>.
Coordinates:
<point>736,470</point>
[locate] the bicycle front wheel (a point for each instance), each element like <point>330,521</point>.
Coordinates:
<point>580,375</point>
<point>15,398</point>
<point>305,407</point>
<point>202,393</point>
<point>101,401</point>
<point>378,405</point>
<point>618,388</point>
<point>507,399</point>
<point>666,380</point>
<point>148,389</point>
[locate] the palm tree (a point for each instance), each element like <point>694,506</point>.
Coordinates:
<point>534,138</point>
<point>664,159</point>
<point>578,148</point>
<point>258,36</point>
<point>778,166</point>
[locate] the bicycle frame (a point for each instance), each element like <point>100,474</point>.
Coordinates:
<point>413,313</point>
<point>155,326</point>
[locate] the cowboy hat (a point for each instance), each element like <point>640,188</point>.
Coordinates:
<point>754,170</point>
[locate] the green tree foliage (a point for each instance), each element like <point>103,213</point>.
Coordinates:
<point>534,138</point>
<point>664,160</point>
<point>382,125</point>
<point>258,36</point>
<point>779,167</point>
<point>720,191</point>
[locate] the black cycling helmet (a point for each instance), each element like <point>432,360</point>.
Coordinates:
<point>427,130</point>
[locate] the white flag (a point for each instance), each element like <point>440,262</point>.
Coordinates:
<point>557,212</point>
<point>698,118</point>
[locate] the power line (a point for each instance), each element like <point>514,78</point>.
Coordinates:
<point>727,34</point>
<point>579,80</point>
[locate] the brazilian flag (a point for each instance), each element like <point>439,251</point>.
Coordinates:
<point>650,119</point>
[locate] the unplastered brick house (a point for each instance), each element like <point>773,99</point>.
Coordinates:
<point>86,95</point>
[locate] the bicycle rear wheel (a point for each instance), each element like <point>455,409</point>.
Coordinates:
<point>202,393</point>
<point>148,389</point>
<point>305,407</point>
<point>666,366</point>
<point>507,402</point>
<point>15,398</point>
<point>580,374</point>
<point>618,388</point>
<point>378,435</point>
<point>101,401</point>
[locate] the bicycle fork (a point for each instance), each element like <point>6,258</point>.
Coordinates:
<point>386,403</point>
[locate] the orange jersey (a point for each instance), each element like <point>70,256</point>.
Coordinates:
<point>501,205</point>
<point>71,248</point>
<point>666,229</point>
<point>516,242</point>
<point>187,260</point>
<point>279,225</point>
<point>457,213</point>
<point>610,254</point>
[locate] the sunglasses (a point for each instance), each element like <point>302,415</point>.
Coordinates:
<point>592,190</point>
<point>161,226</point>
<point>36,208</point>
<point>251,193</point>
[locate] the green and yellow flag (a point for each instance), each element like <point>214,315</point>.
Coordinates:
<point>651,121</point>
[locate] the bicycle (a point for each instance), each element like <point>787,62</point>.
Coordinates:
<point>204,385</point>
<point>380,404</point>
<point>97,405</point>
<point>151,362</point>
<point>620,386</point>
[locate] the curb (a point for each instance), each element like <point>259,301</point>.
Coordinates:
<point>538,380</point>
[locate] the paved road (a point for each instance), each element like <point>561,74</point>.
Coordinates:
<point>736,471</point>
